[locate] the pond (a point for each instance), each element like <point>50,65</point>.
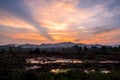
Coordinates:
<point>48,60</point>
<point>56,71</point>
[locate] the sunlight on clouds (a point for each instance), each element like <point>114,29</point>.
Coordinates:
<point>59,15</point>
<point>54,25</point>
<point>63,39</point>
<point>65,20</point>
<point>59,12</point>
<point>23,38</point>
<point>17,23</point>
<point>62,36</point>
<point>84,29</point>
<point>28,36</point>
<point>105,38</point>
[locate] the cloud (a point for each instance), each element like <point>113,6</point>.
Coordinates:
<point>60,16</point>
<point>20,33</point>
<point>102,29</point>
<point>109,37</point>
<point>13,30</point>
<point>28,36</point>
<point>25,38</point>
<point>5,39</point>
<point>61,20</point>
<point>18,9</point>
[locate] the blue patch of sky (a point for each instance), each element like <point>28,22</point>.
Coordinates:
<point>115,4</point>
<point>88,3</point>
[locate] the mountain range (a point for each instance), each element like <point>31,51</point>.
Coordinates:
<point>56,45</point>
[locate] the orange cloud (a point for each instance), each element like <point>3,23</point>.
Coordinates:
<point>64,36</point>
<point>12,21</point>
<point>28,36</point>
<point>63,21</point>
<point>23,38</point>
<point>110,37</point>
<point>58,14</point>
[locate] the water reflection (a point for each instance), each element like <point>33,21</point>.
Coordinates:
<point>47,60</point>
<point>59,70</point>
<point>105,71</point>
<point>32,67</point>
<point>109,61</point>
<point>93,70</point>
<point>87,71</point>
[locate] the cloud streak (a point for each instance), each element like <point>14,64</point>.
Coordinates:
<point>18,9</point>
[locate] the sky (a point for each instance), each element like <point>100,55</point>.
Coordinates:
<point>53,21</point>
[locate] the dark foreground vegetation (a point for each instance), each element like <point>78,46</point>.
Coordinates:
<point>13,63</point>
<point>72,75</point>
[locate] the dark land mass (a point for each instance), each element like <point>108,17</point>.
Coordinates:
<point>61,63</point>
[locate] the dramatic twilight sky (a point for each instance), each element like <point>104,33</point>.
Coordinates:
<point>51,21</point>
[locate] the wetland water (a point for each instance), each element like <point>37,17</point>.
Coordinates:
<point>48,60</point>
<point>38,62</point>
